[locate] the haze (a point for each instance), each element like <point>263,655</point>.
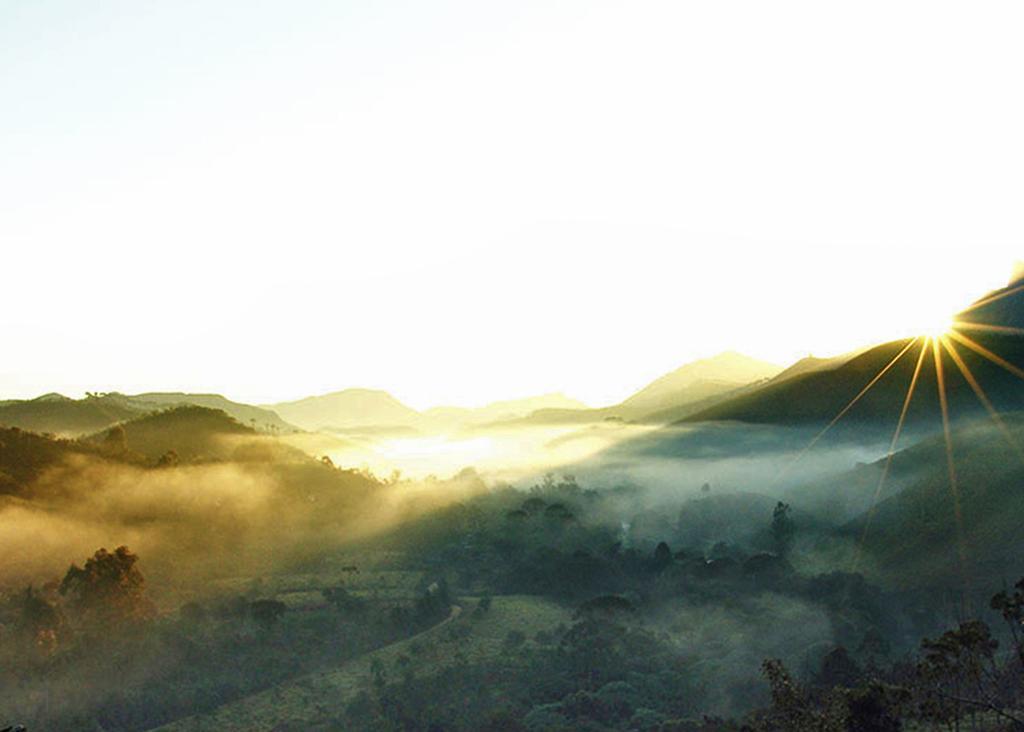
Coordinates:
<point>461,201</point>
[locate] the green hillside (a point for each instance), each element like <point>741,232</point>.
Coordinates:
<point>25,455</point>
<point>189,431</point>
<point>927,534</point>
<point>819,396</point>
<point>261,419</point>
<point>60,415</point>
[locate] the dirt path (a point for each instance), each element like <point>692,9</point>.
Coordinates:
<point>297,700</point>
<point>316,698</point>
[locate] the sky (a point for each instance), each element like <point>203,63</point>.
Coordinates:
<point>461,201</point>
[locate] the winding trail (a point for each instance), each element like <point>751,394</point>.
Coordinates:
<point>297,701</point>
<point>314,699</point>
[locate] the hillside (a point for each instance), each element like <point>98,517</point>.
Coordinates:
<point>257,417</point>
<point>817,397</point>
<point>915,536</point>
<point>189,431</point>
<point>810,364</point>
<point>671,397</point>
<point>304,703</point>
<point>816,392</point>
<point>697,380</point>
<point>61,415</point>
<point>348,408</point>
<point>25,455</point>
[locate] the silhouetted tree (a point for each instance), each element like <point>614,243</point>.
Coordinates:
<point>662,555</point>
<point>109,589</point>
<point>783,528</point>
<point>116,440</point>
<point>266,613</point>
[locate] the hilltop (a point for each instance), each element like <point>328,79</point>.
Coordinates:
<point>61,415</point>
<point>672,396</point>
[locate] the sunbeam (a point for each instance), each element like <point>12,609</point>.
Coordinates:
<point>982,396</point>
<point>987,327</point>
<point>994,298</point>
<point>940,382</point>
<point>982,351</point>
<point>844,411</point>
<point>892,450</point>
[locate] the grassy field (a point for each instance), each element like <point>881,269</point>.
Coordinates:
<point>308,700</point>
<point>374,582</point>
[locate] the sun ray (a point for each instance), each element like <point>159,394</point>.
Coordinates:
<point>991,328</point>
<point>982,396</point>
<point>940,382</point>
<point>982,351</point>
<point>892,450</point>
<point>994,298</point>
<point>845,409</point>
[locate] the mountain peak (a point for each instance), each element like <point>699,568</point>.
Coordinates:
<point>729,367</point>
<point>52,397</point>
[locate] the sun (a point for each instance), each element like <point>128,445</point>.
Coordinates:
<point>935,328</point>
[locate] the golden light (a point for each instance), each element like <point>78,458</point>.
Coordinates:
<point>935,328</point>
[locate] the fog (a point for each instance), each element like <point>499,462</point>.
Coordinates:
<point>731,544</point>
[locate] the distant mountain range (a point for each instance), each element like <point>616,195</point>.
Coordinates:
<point>690,388</point>
<point>368,409</point>
<point>63,416</point>
<point>726,387</point>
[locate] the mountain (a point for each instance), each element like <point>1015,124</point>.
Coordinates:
<point>190,431</point>
<point>25,455</point>
<point>349,408</point>
<point>61,415</point>
<point>258,417</point>
<point>503,410</point>
<point>817,396</point>
<point>697,379</point>
<point>810,364</point>
<point>691,387</point>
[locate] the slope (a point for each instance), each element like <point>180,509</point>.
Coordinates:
<point>348,408</point>
<point>257,417</point>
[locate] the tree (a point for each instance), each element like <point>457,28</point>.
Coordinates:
<point>783,528</point>
<point>40,621</point>
<point>1011,607</point>
<point>956,673</point>
<point>116,440</point>
<point>266,613</point>
<point>662,555</point>
<point>109,589</point>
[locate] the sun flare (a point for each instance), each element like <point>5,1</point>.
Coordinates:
<point>936,328</point>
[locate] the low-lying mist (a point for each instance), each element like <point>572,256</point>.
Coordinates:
<point>190,522</point>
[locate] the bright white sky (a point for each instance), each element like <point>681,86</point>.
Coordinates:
<point>465,200</point>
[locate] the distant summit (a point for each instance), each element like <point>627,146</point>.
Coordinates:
<point>510,409</point>
<point>363,409</point>
<point>348,408</point>
<point>729,369</point>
